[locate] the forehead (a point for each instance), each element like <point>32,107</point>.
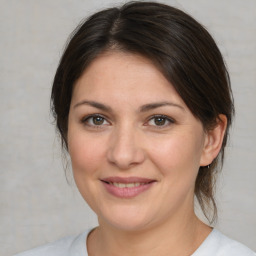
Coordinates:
<point>124,75</point>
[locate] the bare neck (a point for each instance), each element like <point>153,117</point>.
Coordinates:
<point>176,238</point>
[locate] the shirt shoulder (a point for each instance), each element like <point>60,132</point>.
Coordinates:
<point>67,246</point>
<point>231,247</point>
<point>217,244</point>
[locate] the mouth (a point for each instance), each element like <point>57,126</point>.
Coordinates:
<point>126,187</point>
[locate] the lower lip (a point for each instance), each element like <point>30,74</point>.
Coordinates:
<point>127,192</point>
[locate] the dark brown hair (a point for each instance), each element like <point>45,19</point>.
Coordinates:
<point>178,45</point>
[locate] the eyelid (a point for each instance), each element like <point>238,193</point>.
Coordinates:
<point>169,119</point>
<point>86,118</point>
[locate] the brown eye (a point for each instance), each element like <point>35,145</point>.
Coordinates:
<point>98,120</point>
<point>159,121</point>
<point>95,120</point>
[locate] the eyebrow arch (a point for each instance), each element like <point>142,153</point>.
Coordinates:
<point>94,104</point>
<point>143,108</point>
<point>151,106</point>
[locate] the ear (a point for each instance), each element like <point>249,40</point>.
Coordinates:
<point>213,141</point>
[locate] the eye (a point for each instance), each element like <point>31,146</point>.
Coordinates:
<point>160,121</point>
<point>95,120</point>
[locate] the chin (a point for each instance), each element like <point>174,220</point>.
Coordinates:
<point>129,226</point>
<point>126,220</point>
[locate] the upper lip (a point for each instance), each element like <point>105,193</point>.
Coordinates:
<point>127,180</point>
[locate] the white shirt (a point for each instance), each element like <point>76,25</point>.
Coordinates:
<point>216,244</point>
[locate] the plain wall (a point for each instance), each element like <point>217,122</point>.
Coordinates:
<point>36,203</point>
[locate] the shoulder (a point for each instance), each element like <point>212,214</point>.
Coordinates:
<point>217,244</point>
<point>229,246</point>
<point>67,246</point>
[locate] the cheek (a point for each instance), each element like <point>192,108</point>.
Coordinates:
<point>178,155</point>
<point>85,154</point>
<point>86,157</point>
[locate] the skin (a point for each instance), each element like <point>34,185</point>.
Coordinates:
<point>127,140</point>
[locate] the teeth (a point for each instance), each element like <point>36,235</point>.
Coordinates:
<point>127,185</point>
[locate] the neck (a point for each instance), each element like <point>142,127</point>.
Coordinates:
<point>178,237</point>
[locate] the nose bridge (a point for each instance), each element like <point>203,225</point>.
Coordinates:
<point>125,149</point>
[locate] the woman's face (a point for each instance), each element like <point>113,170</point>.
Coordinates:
<point>135,146</point>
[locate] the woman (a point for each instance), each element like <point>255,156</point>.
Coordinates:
<point>143,103</point>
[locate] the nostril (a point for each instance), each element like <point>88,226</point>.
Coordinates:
<point>124,152</point>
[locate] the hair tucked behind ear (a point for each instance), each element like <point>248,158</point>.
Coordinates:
<point>204,191</point>
<point>177,44</point>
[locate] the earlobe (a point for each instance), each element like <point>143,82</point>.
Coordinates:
<point>213,141</point>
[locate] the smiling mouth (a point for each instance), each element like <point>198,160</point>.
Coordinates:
<point>126,187</point>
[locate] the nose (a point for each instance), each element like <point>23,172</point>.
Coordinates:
<point>125,149</point>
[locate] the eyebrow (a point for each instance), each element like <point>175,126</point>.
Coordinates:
<point>94,104</point>
<point>143,108</point>
<point>151,106</point>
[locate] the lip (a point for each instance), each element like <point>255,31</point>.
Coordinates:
<point>127,192</point>
<point>127,179</point>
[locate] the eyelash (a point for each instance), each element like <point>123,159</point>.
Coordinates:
<point>166,119</point>
<point>85,121</point>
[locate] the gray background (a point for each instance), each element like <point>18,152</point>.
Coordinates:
<point>37,204</point>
